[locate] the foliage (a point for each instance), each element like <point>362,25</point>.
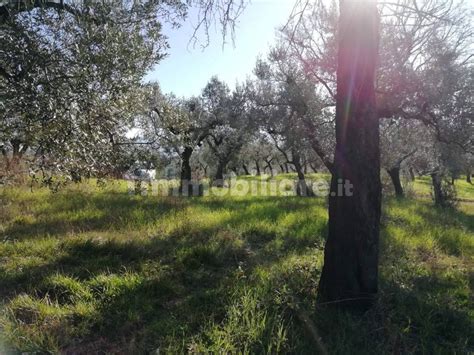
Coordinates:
<point>70,76</point>
<point>71,83</point>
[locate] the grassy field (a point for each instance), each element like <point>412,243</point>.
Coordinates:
<point>93,269</point>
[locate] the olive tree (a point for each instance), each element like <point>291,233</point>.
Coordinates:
<point>71,71</point>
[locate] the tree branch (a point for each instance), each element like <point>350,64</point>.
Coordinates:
<point>9,7</point>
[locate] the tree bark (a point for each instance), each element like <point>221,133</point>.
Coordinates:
<point>394,174</point>
<point>301,186</point>
<point>12,163</point>
<point>270,167</point>
<point>246,170</point>
<point>412,174</point>
<point>257,166</point>
<point>350,273</point>
<point>219,177</point>
<point>20,6</point>
<point>468,177</point>
<point>185,187</point>
<point>436,180</point>
<point>286,168</point>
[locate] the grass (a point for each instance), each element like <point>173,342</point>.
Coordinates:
<point>92,269</point>
<point>464,190</point>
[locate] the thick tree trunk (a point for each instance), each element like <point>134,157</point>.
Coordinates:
<point>286,168</point>
<point>394,174</point>
<point>412,174</point>
<point>185,187</point>
<point>219,177</point>
<point>436,180</point>
<point>246,170</point>
<point>468,177</point>
<point>350,273</point>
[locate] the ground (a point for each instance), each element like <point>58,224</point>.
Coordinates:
<point>92,268</point>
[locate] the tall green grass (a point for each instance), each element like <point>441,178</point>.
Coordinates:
<point>93,269</point>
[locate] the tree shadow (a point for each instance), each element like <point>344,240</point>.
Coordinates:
<point>189,276</point>
<point>416,312</point>
<point>78,212</point>
<point>431,316</point>
<point>449,217</point>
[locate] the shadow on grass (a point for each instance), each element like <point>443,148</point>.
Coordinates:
<point>76,212</point>
<point>187,277</point>
<point>449,217</point>
<point>432,316</point>
<point>73,212</point>
<point>430,214</point>
<point>181,290</point>
<point>183,281</point>
<point>417,313</point>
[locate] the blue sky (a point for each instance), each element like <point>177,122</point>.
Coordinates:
<point>186,70</point>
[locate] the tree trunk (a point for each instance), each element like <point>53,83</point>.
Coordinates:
<point>246,170</point>
<point>257,166</point>
<point>6,160</point>
<point>185,187</point>
<point>350,273</point>
<point>270,167</point>
<point>394,174</point>
<point>286,168</point>
<point>219,177</point>
<point>468,177</point>
<point>12,163</point>
<point>436,179</point>
<point>412,174</point>
<point>301,186</point>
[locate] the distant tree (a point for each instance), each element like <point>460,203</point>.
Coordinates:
<point>233,124</point>
<point>256,153</point>
<point>182,125</point>
<point>287,105</point>
<point>71,71</point>
<point>400,141</point>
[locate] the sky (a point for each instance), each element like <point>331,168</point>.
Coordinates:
<point>186,71</point>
